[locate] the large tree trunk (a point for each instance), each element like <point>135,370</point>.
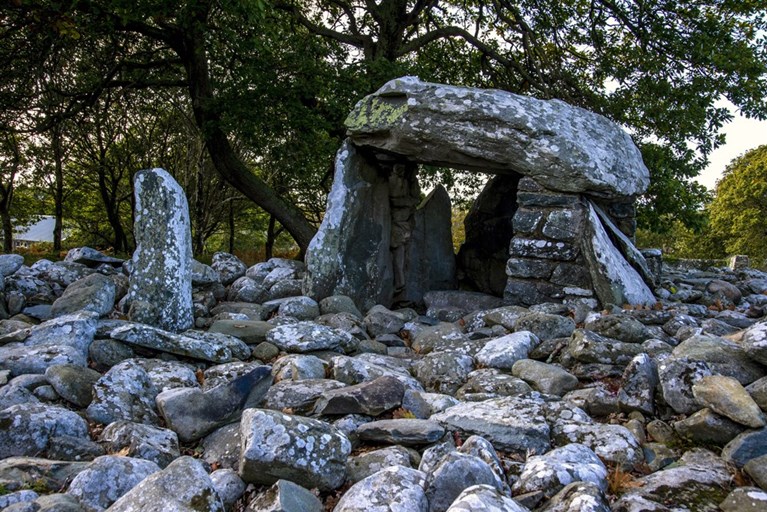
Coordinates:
<point>58,190</point>
<point>5,215</point>
<point>226,161</point>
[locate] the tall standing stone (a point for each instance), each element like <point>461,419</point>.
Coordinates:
<point>160,292</point>
<point>350,253</point>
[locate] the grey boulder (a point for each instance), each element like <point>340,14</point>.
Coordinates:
<point>108,478</point>
<point>192,413</point>
<point>183,486</point>
<point>279,446</point>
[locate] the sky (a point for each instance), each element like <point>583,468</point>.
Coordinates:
<point>742,134</point>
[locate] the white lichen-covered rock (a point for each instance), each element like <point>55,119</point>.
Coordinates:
<point>277,445</point>
<point>307,337</point>
<point>229,267</point>
<point>677,376</point>
<point>75,330</point>
<point>214,347</point>
<point>394,489</point>
<point>503,352</point>
<point>108,478</point>
<point>159,445</point>
<point>580,497</point>
<point>454,473</point>
<point>184,486</point>
<point>484,498</point>
<point>125,392</point>
<point>560,467</point>
<point>443,372</point>
<point>32,429</point>
<point>613,443</point>
<point>160,291</point>
<point>615,281</point>
<point>564,148</point>
<point>353,370</point>
<point>755,342</point>
<point>514,424</point>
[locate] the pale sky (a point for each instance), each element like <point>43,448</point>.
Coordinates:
<point>742,134</point>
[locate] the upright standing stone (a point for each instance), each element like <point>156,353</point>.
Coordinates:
<point>350,253</point>
<point>430,259</point>
<point>161,282</point>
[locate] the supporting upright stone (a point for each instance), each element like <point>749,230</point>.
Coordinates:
<point>430,261</point>
<point>489,228</point>
<point>350,255</point>
<point>160,292</point>
<point>614,279</point>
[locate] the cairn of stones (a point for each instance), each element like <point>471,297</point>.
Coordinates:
<point>248,395</point>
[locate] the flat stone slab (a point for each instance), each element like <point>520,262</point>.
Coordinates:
<point>406,432</point>
<point>515,424</point>
<point>213,347</point>
<point>564,148</point>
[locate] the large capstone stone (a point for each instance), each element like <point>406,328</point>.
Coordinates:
<point>161,282</point>
<point>560,146</point>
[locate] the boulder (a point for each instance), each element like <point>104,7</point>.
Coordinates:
<point>551,472</point>
<point>394,488</point>
<point>513,424</point>
<point>192,413</point>
<point>95,292</point>
<point>183,486</point>
<point>279,446</point>
<point>160,291</point>
<point>155,444</point>
<point>108,478</point>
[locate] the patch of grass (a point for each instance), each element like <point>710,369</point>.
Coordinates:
<point>620,481</point>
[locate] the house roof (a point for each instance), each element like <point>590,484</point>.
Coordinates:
<point>40,231</point>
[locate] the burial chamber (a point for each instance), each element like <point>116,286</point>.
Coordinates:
<point>554,223</point>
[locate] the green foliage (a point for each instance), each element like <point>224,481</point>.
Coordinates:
<point>672,197</point>
<point>280,77</point>
<point>681,242</point>
<point>739,210</point>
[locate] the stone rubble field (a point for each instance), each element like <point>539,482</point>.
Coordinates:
<point>275,402</point>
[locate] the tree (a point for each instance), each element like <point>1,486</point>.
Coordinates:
<point>657,67</point>
<point>269,84</point>
<point>738,212</point>
<point>11,163</point>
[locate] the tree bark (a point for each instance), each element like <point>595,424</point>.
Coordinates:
<point>58,187</point>
<point>189,46</point>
